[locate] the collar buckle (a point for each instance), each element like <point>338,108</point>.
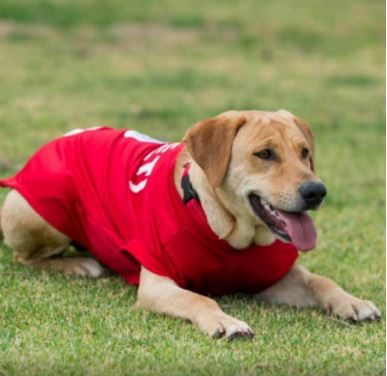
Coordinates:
<point>189,192</point>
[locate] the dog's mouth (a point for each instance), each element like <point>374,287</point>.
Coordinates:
<point>295,227</point>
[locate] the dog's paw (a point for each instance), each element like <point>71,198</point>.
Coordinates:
<point>348,307</point>
<point>84,267</point>
<point>221,325</point>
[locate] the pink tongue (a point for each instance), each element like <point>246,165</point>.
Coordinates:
<point>301,229</point>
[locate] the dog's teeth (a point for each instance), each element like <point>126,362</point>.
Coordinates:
<point>265,204</point>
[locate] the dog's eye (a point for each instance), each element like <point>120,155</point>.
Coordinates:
<point>304,153</point>
<point>266,154</point>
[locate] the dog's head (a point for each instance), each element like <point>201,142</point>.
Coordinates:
<point>261,166</point>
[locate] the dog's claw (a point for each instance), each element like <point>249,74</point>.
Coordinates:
<point>219,333</point>
<point>248,334</point>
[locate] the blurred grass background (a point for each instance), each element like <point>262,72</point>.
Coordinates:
<point>159,66</point>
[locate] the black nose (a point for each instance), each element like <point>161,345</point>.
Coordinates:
<point>312,193</point>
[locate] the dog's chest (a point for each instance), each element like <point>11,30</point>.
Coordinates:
<point>209,266</point>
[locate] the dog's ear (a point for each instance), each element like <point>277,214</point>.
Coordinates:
<point>209,143</point>
<point>308,134</point>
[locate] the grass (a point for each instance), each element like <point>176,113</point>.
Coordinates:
<point>159,67</point>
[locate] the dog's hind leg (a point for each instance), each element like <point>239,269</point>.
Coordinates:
<point>36,243</point>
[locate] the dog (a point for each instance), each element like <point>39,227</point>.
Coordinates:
<point>223,211</point>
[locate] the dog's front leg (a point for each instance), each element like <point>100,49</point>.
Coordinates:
<point>301,288</point>
<point>162,295</point>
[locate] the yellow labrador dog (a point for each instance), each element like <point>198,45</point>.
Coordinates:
<point>254,174</point>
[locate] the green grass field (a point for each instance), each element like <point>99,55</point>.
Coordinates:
<point>159,66</point>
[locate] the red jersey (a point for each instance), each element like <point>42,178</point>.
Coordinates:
<point>113,192</point>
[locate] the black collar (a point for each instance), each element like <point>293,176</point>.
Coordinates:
<point>189,192</point>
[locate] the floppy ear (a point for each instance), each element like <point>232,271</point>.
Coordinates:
<point>210,141</point>
<point>308,134</point>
